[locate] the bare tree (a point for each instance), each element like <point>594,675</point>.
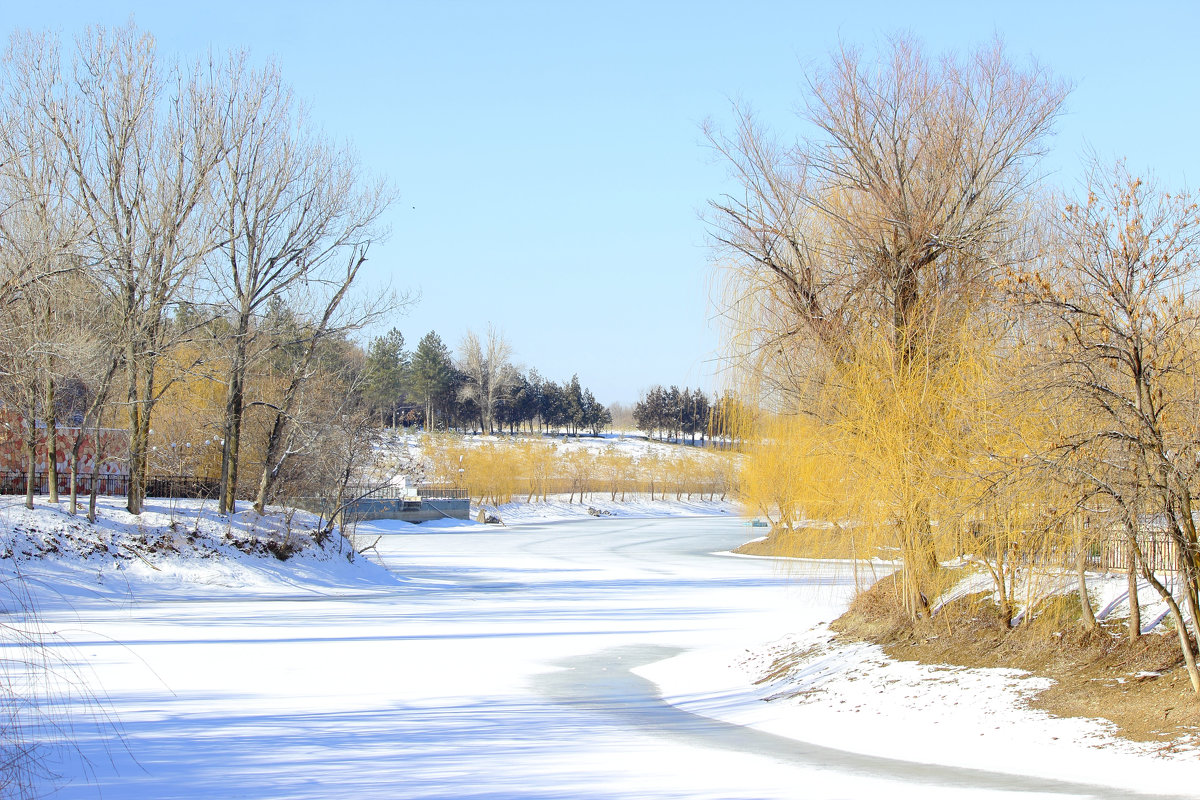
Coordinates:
<point>287,203</point>
<point>337,317</point>
<point>1121,293</point>
<point>142,142</point>
<point>40,231</point>
<point>345,463</point>
<point>489,370</point>
<point>40,228</point>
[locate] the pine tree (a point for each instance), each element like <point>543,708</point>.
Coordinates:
<point>431,375</point>
<point>387,366</point>
<point>574,403</point>
<point>553,407</point>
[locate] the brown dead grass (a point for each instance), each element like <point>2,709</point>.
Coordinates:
<point>1141,687</point>
<point>810,542</point>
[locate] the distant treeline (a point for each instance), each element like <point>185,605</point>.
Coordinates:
<point>674,413</point>
<point>479,389</point>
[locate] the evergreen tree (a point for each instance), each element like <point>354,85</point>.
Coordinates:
<point>574,405</point>
<point>695,413</point>
<point>650,412</point>
<point>553,410</point>
<point>672,418</point>
<point>387,366</point>
<point>595,416</point>
<point>520,407</point>
<point>431,377</point>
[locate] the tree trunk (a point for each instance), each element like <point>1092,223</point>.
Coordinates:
<point>1135,607</point>
<point>1182,531</point>
<point>92,494</point>
<point>1085,600</point>
<point>91,417</point>
<point>920,563</point>
<point>137,469</point>
<point>73,490</point>
<point>234,405</point>
<point>274,457</point>
<point>1185,641</point>
<point>96,462</point>
<point>30,460</point>
<point>51,439</point>
<point>1189,592</point>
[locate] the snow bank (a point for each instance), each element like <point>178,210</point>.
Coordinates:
<point>180,547</point>
<point>815,687</point>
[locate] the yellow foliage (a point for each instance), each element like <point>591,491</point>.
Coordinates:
<point>615,469</point>
<point>445,454</point>
<point>898,450</point>
<point>537,461</point>
<point>185,435</point>
<point>494,471</point>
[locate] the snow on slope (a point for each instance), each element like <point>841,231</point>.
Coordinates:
<point>851,696</point>
<point>198,578</point>
<point>175,548</point>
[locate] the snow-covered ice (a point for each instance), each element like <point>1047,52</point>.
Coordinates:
<point>527,661</point>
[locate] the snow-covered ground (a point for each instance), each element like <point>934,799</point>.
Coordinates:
<point>852,697</point>
<point>634,443</point>
<point>558,509</point>
<point>526,661</point>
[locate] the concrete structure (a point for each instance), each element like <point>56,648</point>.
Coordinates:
<point>405,509</point>
<point>421,510</point>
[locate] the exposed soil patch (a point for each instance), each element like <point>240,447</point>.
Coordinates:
<point>1141,687</point>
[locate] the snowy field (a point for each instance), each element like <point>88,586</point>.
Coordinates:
<point>634,443</point>
<point>592,658</point>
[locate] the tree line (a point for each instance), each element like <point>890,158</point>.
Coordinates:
<point>946,354</point>
<point>181,257</point>
<point>167,224</point>
<point>672,412</point>
<point>478,388</point>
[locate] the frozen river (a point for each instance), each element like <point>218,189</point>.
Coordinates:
<point>498,667</point>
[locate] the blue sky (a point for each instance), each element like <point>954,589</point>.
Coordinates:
<point>548,156</point>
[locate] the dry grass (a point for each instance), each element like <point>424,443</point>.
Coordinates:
<point>1142,687</point>
<point>810,542</point>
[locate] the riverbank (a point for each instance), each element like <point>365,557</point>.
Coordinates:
<point>815,687</point>
<point>1140,687</point>
<point>424,670</point>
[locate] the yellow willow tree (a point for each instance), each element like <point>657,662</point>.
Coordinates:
<point>615,470</point>
<point>537,462</point>
<point>1023,521</point>
<point>854,261</point>
<point>887,458</point>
